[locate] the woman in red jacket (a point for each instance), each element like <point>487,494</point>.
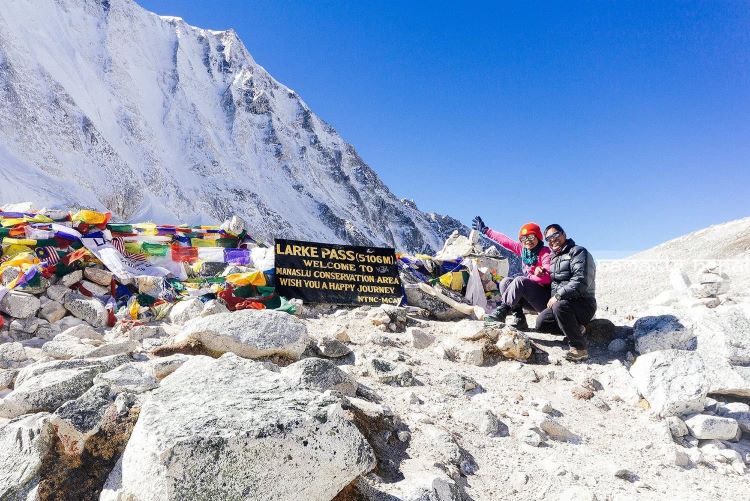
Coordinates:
<point>532,289</point>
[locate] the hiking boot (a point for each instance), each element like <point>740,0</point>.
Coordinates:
<point>519,321</point>
<point>499,314</point>
<point>577,354</point>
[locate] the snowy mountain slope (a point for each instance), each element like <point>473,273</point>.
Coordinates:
<point>626,285</point>
<point>106,105</point>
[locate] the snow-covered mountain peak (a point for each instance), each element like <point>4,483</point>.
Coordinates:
<point>106,105</point>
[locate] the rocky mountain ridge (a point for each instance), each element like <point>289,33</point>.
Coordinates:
<point>106,105</point>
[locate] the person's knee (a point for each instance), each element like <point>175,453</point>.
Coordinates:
<point>560,307</point>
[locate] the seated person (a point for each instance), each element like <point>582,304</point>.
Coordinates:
<point>530,290</point>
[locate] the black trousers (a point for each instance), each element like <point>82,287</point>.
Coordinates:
<point>522,292</point>
<point>566,317</point>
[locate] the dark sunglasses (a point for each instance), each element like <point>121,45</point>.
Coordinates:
<point>554,236</point>
<point>527,238</point>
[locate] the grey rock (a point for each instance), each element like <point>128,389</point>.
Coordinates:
<point>125,346</point>
<point>321,375</point>
<point>90,310</point>
<point>19,304</point>
<point>64,347</point>
<point>25,443</point>
<point>162,367</point>
<point>70,279</point>
<point>738,411</point>
<point>419,338</point>
<point>229,427</point>
<point>391,373</point>
<point>665,332</point>
<point>26,325</point>
<point>332,348</point>
<point>134,332</point>
<point>58,292</point>
<point>95,289</point>
<point>82,331</point>
<point>77,420</point>
<point>127,378</point>
<point>673,381</point>
<point>707,427</point>
<point>249,333</point>
<point>617,346</point>
<point>455,384</point>
<point>98,276</point>
<point>482,420</point>
<point>7,377</point>
<point>48,391</point>
<point>39,368</point>
<point>12,355</point>
<point>677,426</point>
<point>52,311</point>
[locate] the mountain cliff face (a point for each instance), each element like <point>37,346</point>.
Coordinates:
<point>106,105</point>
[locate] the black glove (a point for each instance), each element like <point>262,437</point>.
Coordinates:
<point>479,225</point>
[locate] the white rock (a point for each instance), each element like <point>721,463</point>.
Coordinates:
<point>47,391</point>
<point>186,310</point>
<point>468,352</point>
<point>114,348</point>
<point>95,289</point>
<point>419,338</point>
<point>19,304</point>
<point>228,427</point>
<point>249,333</point>
<point>482,420</point>
<point>707,427</point>
<point>64,347</point>
<point>127,378</point>
<point>7,377</point>
<point>162,367</point>
<point>738,411</point>
<point>665,332</point>
<point>98,276</point>
<point>52,311</point>
<point>724,344</point>
<point>71,279</point>
<point>58,292</point>
<point>673,381</point>
<point>82,331</point>
<point>25,444</point>
<point>90,310</point>
<point>213,307</point>
<point>679,457</point>
<point>12,355</point>
<point>531,436</point>
<point>619,384</point>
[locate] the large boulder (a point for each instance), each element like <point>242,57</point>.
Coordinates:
<point>47,391</point>
<point>232,429</point>
<point>724,344</point>
<point>248,333</point>
<point>664,332</point>
<point>672,381</point>
<point>90,310</point>
<point>19,304</point>
<point>25,443</point>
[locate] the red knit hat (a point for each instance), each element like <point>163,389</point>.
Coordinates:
<point>530,229</point>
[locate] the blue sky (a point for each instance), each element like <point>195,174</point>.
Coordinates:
<point>626,122</point>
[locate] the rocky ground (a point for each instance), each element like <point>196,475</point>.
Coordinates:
<point>375,403</point>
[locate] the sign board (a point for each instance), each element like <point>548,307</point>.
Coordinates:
<point>339,274</point>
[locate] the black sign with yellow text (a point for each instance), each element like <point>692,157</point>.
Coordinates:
<point>339,274</point>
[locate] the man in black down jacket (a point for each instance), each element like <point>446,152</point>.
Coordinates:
<point>572,305</point>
